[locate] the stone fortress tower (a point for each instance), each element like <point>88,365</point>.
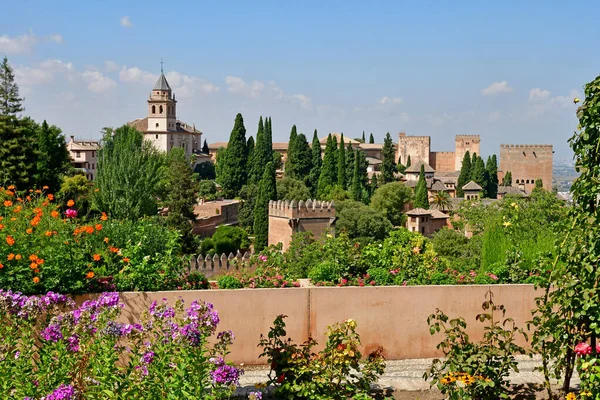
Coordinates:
<point>287,218</point>
<point>526,163</point>
<point>464,143</point>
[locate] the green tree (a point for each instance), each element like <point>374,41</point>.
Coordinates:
<point>261,155</point>
<point>465,175</point>
<point>373,185</point>
<point>10,102</point>
<point>267,190</point>
<point>18,154</point>
<point>539,184</point>
<point>388,165</point>
<point>492,175</point>
<point>292,189</point>
<point>129,175</point>
<point>507,180</point>
<point>441,201</point>
<point>350,156</point>
<point>479,175</point>
<point>360,221</point>
<point>363,137</point>
<point>300,160</point>
<point>269,135</point>
<point>205,149</point>
<point>371,139</point>
<point>390,200</point>
<point>328,176</point>
<point>233,173</point>
<point>408,164</point>
<point>248,195</point>
<point>77,188</point>
<point>53,159</point>
<point>421,195</point>
<point>291,156</point>
<point>356,189</point>
<point>250,146</point>
<point>181,198</point>
<point>473,160</point>
<point>205,170</point>
<point>207,190</point>
<point>341,164</point>
<point>315,171</point>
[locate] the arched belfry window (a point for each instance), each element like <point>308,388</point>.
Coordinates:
<point>160,109</point>
<point>153,109</point>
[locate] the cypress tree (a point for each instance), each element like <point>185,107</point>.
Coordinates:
<point>465,174</point>
<point>473,161</point>
<point>53,157</point>
<point>205,149</point>
<point>421,194</point>
<point>260,156</point>
<point>478,175</point>
<point>357,187</point>
<point>328,176</point>
<point>250,146</point>
<point>300,160</point>
<point>388,166</point>
<point>363,174</point>
<point>373,185</point>
<point>363,137</point>
<point>315,171</point>
<point>408,161</point>
<point>10,102</point>
<point>492,175</point>
<point>349,164</point>
<point>291,150</point>
<point>269,138</point>
<point>233,174</point>
<point>341,164</point>
<point>371,139</point>
<point>507,180</point>
<point>335,156</point>
<point>267,190</point>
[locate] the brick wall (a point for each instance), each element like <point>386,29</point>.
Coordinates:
<point>464,143</point>
<point>418,147</point>
<point>442,161</point>
<point>527,163</point>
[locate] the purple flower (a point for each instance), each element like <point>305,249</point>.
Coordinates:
<point>63,392</point>
<point>226,337</point>
<point>255,396</point>
<point>148,357</point>
<point>71,213</point>
<point>143,369</point>
<point>52,333</point>
<point>192,334</point>
<point>17,354</point>
<point>73,343</point>
<point>224,374</point>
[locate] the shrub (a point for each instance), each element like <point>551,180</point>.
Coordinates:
<point>325,271</point>
<point>53,349</point>
<point>193,281</point>
<point>237,236</point>
<point>207,246</point>
<point>381,276</point>
<point>229,282</point>
<point>337,372</point>
<point>225,246</point>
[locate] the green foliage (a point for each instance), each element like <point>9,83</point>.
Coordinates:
<point>249,193</point>
<point>237,236</point>
<point>441,201</point>
<point>261,155</point>
<point>128,175</point>
<point>207,190</point>
<point>388,165</point>
<point>475,370</point>
<point>381,276</point>
<point>328,176</point>
<point>291,149</point>
<point>539,184</point>
<point>465,174</point>
<point>356,190</point>
<point>299,162</point>
<point>267,191</point>
<point>324,271</point>
<point>341,164</point>
<point>363,138</point>
<point>53,159</point>
<point>479,175</point>
<point>408,164</point>
<point>232,172</point>
<point>17,151</point>
<point>358,220</point>
<point>371,139</point>
<point>315,171</point>
<point>390,200</point>
<point>229,282</point>
<point>302,255</point>
<point>250,146</point>
<point>336,372</point>
<point>336,194</point>
<point>205,171</point>
<point>292,189</point>
<point>10,102</point>
<point>421,193</point>
<point>507,180</point>
<point>205,149</point>
<point>492,175</point>
<point>79,189</point>
<point>449,243</point>
<point>350,157</point>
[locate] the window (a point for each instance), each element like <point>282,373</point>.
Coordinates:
<point>153,109</point>
<point>160,109</point>
<point>413,219</point>
<point>77,154</point>
<point>156,136</point>
<point>93,166</point>
<point>93,154</point>
<point>157,124</point>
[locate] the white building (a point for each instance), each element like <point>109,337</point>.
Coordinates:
<point>84,156</point>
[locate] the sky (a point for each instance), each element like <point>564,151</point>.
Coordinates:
<point>505,70</point>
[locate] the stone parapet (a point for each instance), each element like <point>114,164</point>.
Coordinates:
<point>308,209</point>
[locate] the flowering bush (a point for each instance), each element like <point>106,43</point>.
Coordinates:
<point>53,349</point>
<point>475,370</point>
<point>588,367</point>
<point>336,372</point>
<point>45,246</point>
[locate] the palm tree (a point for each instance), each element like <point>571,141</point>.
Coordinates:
<point>440,201</point>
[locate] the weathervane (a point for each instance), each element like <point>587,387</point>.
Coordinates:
<point>161,66</point>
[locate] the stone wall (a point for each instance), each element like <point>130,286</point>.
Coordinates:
<point>442,161</point>
<point>464,143</point>
<point>527,162</point>
<point>418,147</point>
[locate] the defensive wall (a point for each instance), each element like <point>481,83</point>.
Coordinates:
<point>464,143</point>
<point>526,163</point>
<point>394,317</point>
<point>418,147</point>
<point>442,161</point>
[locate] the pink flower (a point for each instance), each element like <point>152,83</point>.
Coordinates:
<point>394,271</point>
<point>262,258</point>
<point>373,283</point>
<point>494,277</point>
<point>472,273</point>
<point>71,213</point>
<point>344,281</point>
<point>404,283</point>
<point>583,349</point>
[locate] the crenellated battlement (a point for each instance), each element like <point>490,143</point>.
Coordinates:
<point>527,146</point>
<point>443,153</point>
<point>301,209</point>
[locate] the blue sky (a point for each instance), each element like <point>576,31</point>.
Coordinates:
<point>506,70</point>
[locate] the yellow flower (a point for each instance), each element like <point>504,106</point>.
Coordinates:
<point>576,100</point>
<point>571,396</point>
<point>506,224</point>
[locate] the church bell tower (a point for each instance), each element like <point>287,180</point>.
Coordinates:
<point>162,107</point>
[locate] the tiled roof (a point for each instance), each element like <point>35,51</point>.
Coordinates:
<point>417,168</point>
<point>511,190</point>
<point>373,161</point>
<point>83,146</point>
<point>141,124</point>
<point>418,211</point>
<point>472,186</point>
<point>438,187</point>
<point>437,214</point>
<point>370,146</point>
<point>339,136</point>
<point>161,83</point>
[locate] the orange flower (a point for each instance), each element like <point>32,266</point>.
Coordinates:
<point>1,218</point>
<point>35,221</point>
<point>104,217</point>
<point>33,257</point>
<point>8,203</point>
<point>36,271</point>
<point>36,280</point>
<point>98,227</point>
<point>70,203</point>
<point>125,259</point>
<point>11,256</point>
<point>38,191</point>
<point>45,204</point>
<point>39,261</point>
<point>11,187</point>
<point>20,200</point>
<point>54,214</point>
<point>1,227</point>
<point>1,265</point>
<point>10,241</point>
<point>89,229</point>
<point>113,249</point>
<point>28,198</point>
<point>38,211</point>
<point>33,265</point>
<point>50,196</point>
<point>48,233</point>
<point>105,240</point>
<point>97,257</point>
<point>90,275</point>
<point>96,190</point>
<point>45,187</point>
<point>18,257</point>
<point>17,209</point>
<point>13,219</point>
<point>29,231</point>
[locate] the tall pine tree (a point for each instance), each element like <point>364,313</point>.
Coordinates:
<point>53,159</point>
<point>388,166</point>
<point>291,149</point>
<point>233,174</point>
<point>465,175</point>
<point>357,187</point>
<point>10,102</point>
<point>269,139</point>
<point>260,156</point>
<point>349,165</point>
<point>205,149</point>
<point>250,147</point>
<point>492,175</point>
<point>317,161</point>
<point>363,137</point>
<point>267,191</point>
<point>341,164</point>
<point>371,139</point>
<point>408,161</point>
<point>300,160</point>
<point>328,176</point>
<point>479,175</point>
<point>421,194</point>
<point>507,180</point>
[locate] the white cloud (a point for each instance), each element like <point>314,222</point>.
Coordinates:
<point>23,44</point>
<point>390,100</point>
<point>97,82</point>
<point>538,94</point>
<point>187,86</point>
<point>497,88</point>
<point>542,101</point>
<point>270,91</point>
<point>305,101</point>
<point>237,85</point>
<point>136,75</point>
<point>27,76</point>
<point>56,38</point>
<point>126,22</point>
<point>111,66</point>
